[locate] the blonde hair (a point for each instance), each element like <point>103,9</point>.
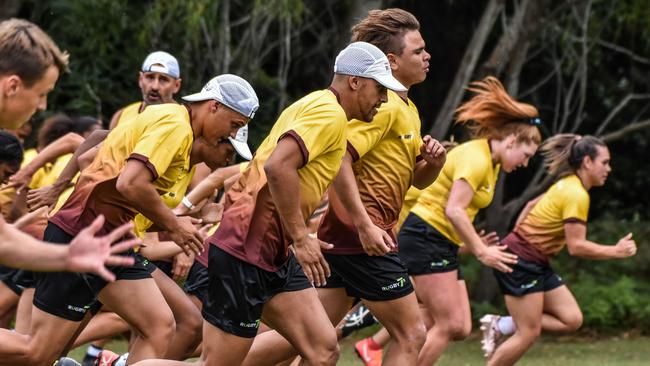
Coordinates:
<point>385,29</point>
<point>492,113</point>
<point>27,51</point>
<point>563,154</point>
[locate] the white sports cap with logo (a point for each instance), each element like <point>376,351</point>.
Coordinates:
<point>163,63</point>
<point>230,90</point>
<point>240,142</point>
<point>366,60</point>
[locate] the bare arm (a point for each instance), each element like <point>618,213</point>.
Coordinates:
<point>427,170</point>
<point>284,183</point>
<point>579,246</point>
<point>47,196</point>
<point>456,211</point>
<point>64,145</point>
<point>375,241</point>
<point>86,253</point>
<point>207,186</point>
<point>529,206</point>
<point>134,183</point>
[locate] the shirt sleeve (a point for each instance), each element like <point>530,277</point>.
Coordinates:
<point>364,136</point>
<point>472,167</point>
<point>575,206</point>
<point>317,131</point>
<point>160,143</point>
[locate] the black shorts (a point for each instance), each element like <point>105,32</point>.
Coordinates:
<point>197,282</point>
<point>528,277</point>
<point>165,267</point>
<point>7,277</point>
<point>70,295</point>
<point>374,278</point>
<point>238,291</point>
<point>424,250</point>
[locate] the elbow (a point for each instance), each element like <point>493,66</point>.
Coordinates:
<point>453,212</point>
<point>420,185</point>
<point>271,169</point>
<point>125,188</point>
<point>73,140</point>
<point>574,249</point>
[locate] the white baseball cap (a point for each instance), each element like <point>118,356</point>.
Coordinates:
<point>163,63</point>
<point>366,60</point>
<point>230,90</point>
<point>240,142</point>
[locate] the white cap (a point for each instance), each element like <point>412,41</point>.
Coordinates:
<point>366,60</point>
<point>163,63</point>
<point>240,142</point>
<point>232,91</point>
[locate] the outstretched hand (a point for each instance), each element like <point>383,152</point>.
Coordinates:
<point>90,253</point>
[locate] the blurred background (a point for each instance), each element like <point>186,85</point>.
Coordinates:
<point>584,63</point>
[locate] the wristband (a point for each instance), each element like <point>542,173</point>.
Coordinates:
<point>186,202</point>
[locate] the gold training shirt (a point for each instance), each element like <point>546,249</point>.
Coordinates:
<point>384,154</point>
<point>566,201</point>
<point>130,111</point>
<point>251,229</point>
<point>472,162</point>
<point>160,137</point>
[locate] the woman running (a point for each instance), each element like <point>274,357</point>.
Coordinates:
<point>536,297</point>
<point>505,138</point>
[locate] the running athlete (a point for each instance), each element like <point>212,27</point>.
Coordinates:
<point>536,297</point>
<point>383,159</point>
<point>137,162</point>
<point>159,80</point>
<point>253,275</point>
<point>506,137</point>
<point>30,63</point>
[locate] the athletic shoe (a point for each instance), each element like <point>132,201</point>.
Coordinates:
<point>491,334</point>
<point>106,358</point>
<point>88,360</point>
<point>66,361</point>
<point>357,318</point>
<point>369,355</point>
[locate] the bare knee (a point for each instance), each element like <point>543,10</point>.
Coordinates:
<point>160,329</point>
<point>455,329</point>
<point>325,352</point>
<point>411,339</point>
<point>574,322</point>
<point>529,333</point>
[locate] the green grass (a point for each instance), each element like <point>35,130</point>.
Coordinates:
<point>550,351</point>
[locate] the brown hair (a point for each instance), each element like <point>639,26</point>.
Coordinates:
<point>53,128</point>
<point>563,154</point>
<point>27,51</point>
<point>494,114</point>
<point>385,29</point>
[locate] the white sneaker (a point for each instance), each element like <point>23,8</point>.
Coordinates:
<point>491,334</point>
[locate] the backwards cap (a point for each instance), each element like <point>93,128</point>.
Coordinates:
<point>230,90</point>
<point>240,143</point>
<point>366,60</point>
<point>163,63</point>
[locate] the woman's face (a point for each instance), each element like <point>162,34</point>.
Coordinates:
<point>598,169</point>
<point>517,155</point>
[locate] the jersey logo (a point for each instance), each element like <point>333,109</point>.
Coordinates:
<point>407,136</point>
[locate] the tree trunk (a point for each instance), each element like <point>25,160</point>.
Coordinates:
<point>466,69</point>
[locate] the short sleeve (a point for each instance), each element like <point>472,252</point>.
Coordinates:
<point>575,206</point>
<point>160,143</point>
<point>473,168</point>
<point>317,131</point>
<point>363,136</point>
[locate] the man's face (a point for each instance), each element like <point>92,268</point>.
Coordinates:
<point>412,66</point>
<point>370,96</point>
<point>222,122</point>
<point>158,88</point>
<point>19,102</point>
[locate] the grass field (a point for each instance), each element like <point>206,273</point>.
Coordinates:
<point>556,351</point>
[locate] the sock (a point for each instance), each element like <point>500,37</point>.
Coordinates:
<point>506,325</point>
<point>373,345</point>
<point>93,351</point>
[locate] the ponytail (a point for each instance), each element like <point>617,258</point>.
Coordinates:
<point>494,114</point>
<point>563,154</point>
